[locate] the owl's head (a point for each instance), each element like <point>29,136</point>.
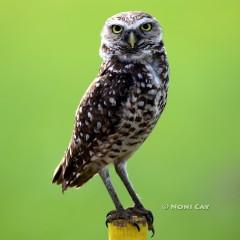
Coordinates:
<point>130,36</point>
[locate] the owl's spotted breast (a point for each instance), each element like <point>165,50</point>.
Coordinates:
<point>144,104</point>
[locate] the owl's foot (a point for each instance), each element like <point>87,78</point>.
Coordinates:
<point>122,214</point>
<point>142,212</point>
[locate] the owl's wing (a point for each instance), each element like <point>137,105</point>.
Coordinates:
<point>98,117</point>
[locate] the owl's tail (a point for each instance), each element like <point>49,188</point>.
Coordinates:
<point>60,176</point>
<point>57,176</point>
<point>64,175</point>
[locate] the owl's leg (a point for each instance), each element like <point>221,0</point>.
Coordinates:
<point>120,212</point>
<point>104,173</point>
<point>122,173</point>
<point>138,209</point>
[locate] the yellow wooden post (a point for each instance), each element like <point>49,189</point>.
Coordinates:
<point>122,229</point>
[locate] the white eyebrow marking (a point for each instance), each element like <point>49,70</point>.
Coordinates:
<point>132,25</point>
<point>140,22</point>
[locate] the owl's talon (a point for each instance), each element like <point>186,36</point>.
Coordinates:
<point>106,223</point>
<point>140,211</point>
<point>137,226</point>
<point>111,213</point>
<point>153,231</point>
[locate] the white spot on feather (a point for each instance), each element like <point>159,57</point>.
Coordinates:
<point>99,125</point>
<point>152,91</point>
<point>87,137</point>
<point>100,107</point>
<point>90,153</point>
<point>90,116</point>
<point>112,101</point>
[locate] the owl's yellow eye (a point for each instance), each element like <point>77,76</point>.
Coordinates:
<point>146,27</point>
<point>117,29</point>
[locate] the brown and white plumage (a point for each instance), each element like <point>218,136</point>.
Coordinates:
<point>124,102</point>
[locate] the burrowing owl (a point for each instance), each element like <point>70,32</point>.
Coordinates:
<point>121,106</point>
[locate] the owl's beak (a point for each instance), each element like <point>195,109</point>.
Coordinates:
<point>132,39</point>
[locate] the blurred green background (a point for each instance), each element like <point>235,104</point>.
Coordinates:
<point>49,56</point>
